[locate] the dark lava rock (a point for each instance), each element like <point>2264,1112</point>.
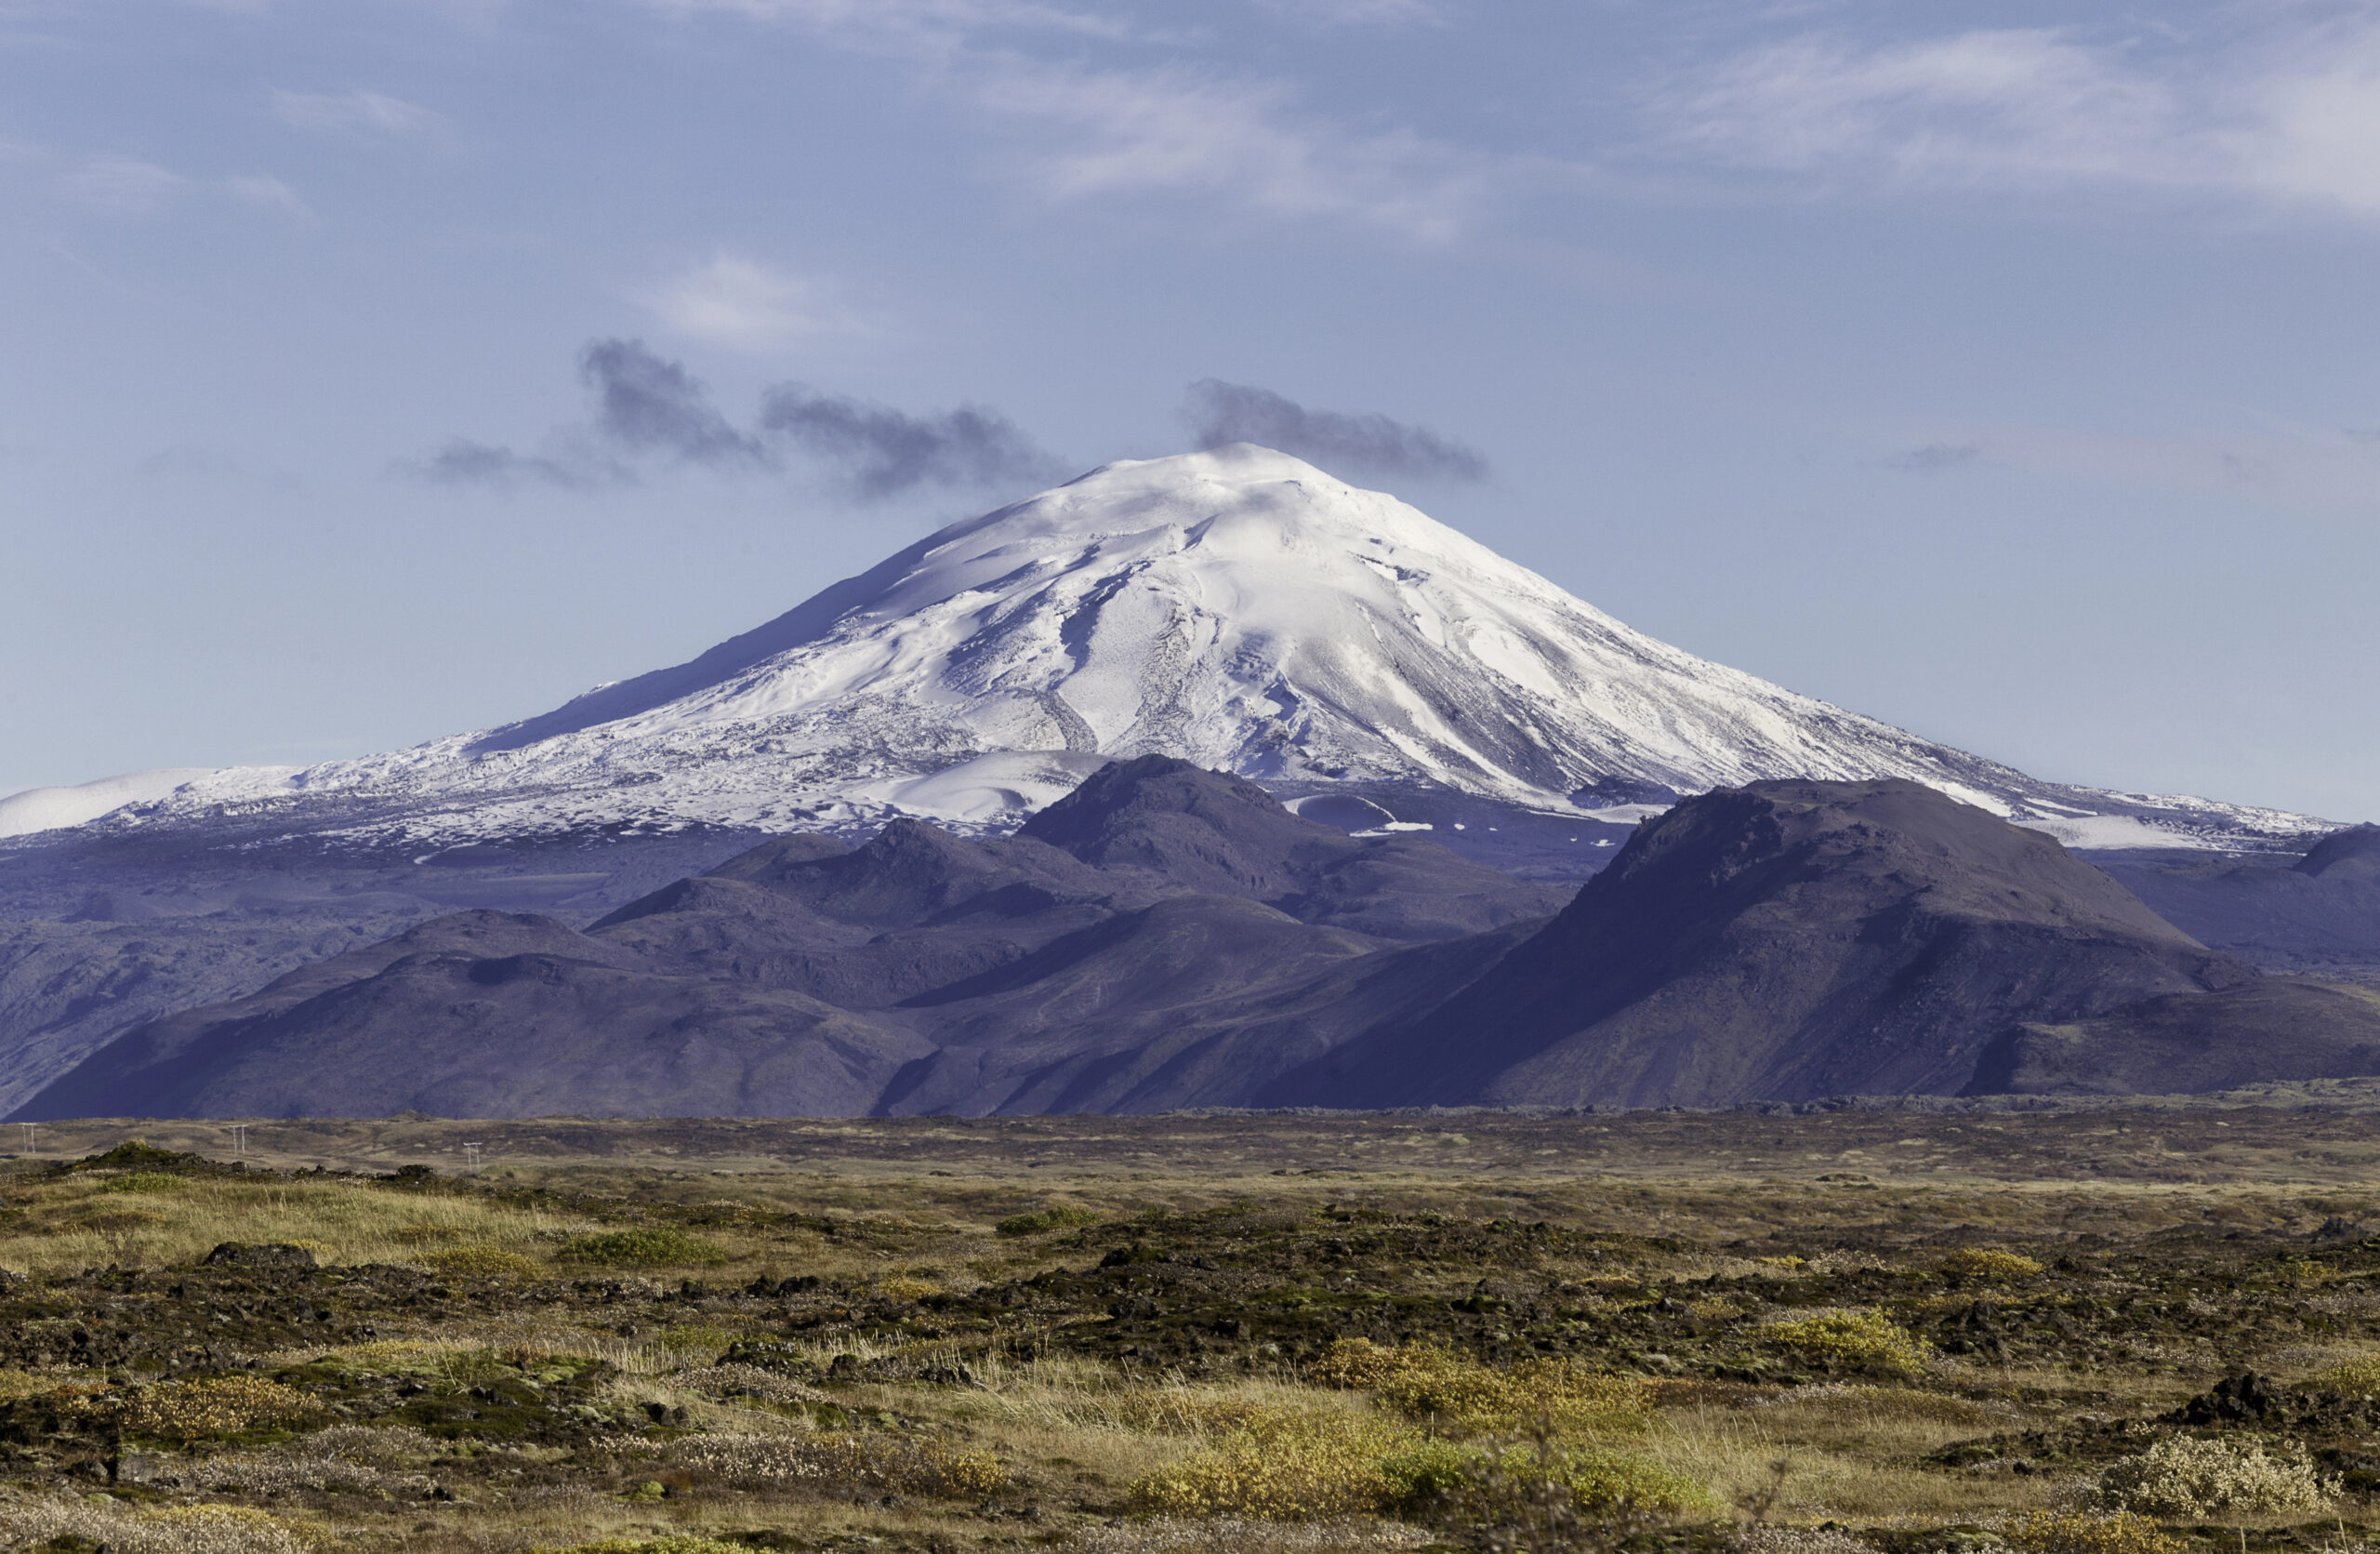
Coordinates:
<point>271,1256</point>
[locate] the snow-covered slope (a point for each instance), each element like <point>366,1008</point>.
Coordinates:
<point>1239,607</point>
<point>42,809</point>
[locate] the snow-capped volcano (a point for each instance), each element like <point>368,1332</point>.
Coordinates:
<point>1239,608</point>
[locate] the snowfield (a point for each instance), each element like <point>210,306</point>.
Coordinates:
<point>1239,608</point>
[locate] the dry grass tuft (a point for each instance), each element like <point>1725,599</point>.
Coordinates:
<point>928,1468</point>
<point>176,1530</point>
<point>213,1406</point>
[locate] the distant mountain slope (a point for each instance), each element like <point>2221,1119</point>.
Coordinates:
<point>1785,940</point>
<point>1167,937</point>
<point>2319,915</point>
<point>805,976</point>
<point>1239,608</point>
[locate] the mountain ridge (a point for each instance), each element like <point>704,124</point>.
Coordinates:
<point>1176,937</point>
<point>1238,608</point>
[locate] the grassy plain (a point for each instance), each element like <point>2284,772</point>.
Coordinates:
<point>2079,1330</point>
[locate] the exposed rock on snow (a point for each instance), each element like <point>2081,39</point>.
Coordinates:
<point>1238,608</point>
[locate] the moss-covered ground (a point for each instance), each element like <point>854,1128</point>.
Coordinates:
<point>2073,1331</point>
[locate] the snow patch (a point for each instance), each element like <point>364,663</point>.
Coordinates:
<point>2097,832</point>
<point>42,809</point>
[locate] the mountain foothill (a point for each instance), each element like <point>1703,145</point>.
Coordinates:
<point>1167,937</point>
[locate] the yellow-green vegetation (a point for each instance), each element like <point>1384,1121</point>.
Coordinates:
<point>1628,1335</point>
<point>1852,1340</point>
<point>2082,1533</point>
<point>1434,1383</point>
<point>78,1525</point>
<point>661,1247</point>
<point>1320,1464</point>
<point>1284,1465</point>
<point>1979,1262</point>
<point>482,1261</point>
<point>2358,1377</point>
<point>141,1181</point>
<point>682,1545</point>
<point>1057,1217</point>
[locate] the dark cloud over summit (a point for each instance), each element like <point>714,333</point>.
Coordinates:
<point>650,405</point>
<point>1372,443</point>
<point>887,451</point>
<point>650,408</point>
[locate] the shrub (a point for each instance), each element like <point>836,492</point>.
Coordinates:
<point>2188,1477</point>
<point>214,1406</point>
<point>919,1466</point>
<point>1977,1262</point>
<point>647,1248</point>
<point>2081,1533</point>
<point>1493,1486</point>
<point>1862,1338</point>
<point>1424,1382</point>
<point>903,1287</point>
<point>1312,1465</point>
<point>1599,1480</point>
<point>481,1261</point>
<point>680,1543</point>
<point>648,1546</point>
<point>180,1530</point>
<point>1057,1217</point>
<point>1283,1466</point>
<point>2358,1377</point>
<point>142,1181</point>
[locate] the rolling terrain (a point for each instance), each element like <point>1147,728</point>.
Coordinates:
<point>1166,936</point>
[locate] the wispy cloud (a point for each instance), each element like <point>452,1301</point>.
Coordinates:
<point>1936,457</point>
<point>2314,470</point>
<point>125,185</point>
<point>735,301</point>
<point>910,19</point>
<point>2290,113</point>
<point>133,188</point>
<point>884,451</point>
<point>1369,444</point>
<point>465,462</point>
<point>1240,140</point>
<point>650,408</point>
<point>1077,129</point>
<point>372,113</point>
<point>1361,13</point>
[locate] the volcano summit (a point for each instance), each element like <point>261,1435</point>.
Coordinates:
<point>1238,608</point>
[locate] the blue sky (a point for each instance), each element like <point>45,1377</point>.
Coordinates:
<point>2007,371</point>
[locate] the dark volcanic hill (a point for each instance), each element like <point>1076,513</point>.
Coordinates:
<point>1786,941</point>
<point>805,978</point>
<point>1166,936</point>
